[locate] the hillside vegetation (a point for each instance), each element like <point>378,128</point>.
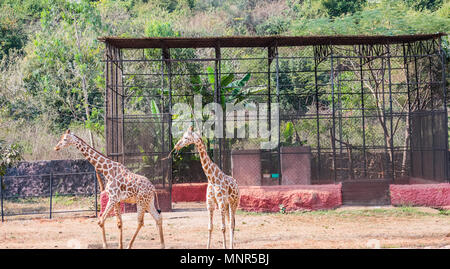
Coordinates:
<point>51,73</point>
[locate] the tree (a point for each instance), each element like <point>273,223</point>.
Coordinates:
<point>421,5</point>
<point>336,8</point>
<point>64,70</point>
<point>386,18</point>
<point>12,35</point>
<point>10,154</point>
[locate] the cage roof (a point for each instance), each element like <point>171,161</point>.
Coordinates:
<point>260,41</point>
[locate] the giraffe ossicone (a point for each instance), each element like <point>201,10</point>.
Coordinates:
<point>122,185</point>
<point>222,190</point>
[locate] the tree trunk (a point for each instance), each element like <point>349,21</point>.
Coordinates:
<point>405,146</point>
<point>86,102</point>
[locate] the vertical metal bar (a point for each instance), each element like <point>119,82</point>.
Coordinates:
<point>406,66</point>
<point>432,118</point>
<point>106,107</point>
<point>95,193</point>
<point>270,52</point>
<point>417,83</point>
<point>217,75</point>
<point>269,97</point>
<point>391,112</point>
<point>339,114</point>
<point>120,66</point>
<point>277,66</point>
<point>116,83</point>
<point>216,99</point>
<point>1,196</point>
<point>165,60</point>
<point>333,132</point>
<point>420,116</point>
<point>386,151</point>
<point>444,93</point>
<point>170,137</point>
<point>363,111</point>
<point>113,105</point>
<point>317,120</point>
<point>167,57</point>
<point>51,194</point>
<point>115,133</point>
<point>162,118</point>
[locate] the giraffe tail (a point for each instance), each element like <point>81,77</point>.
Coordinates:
<point>157,202</point>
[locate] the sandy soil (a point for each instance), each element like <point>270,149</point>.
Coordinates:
<point>186,227</point>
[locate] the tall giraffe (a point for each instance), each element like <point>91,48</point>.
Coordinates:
<point>222,190</point>
<point>121,185</point>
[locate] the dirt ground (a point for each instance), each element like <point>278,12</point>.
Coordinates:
<point>186,227</point>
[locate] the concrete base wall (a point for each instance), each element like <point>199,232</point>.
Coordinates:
<point>189,192</point>
<point>291,198</point>
<point>433,195</point>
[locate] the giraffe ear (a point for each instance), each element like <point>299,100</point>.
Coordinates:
<point>190,128</point>
<point>68,131</point>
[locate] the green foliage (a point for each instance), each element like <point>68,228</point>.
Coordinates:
<point>232,90</point>
<point>10,154</point>
<point>275,25</point>
<point>389,18</point>
<point>336,8</point>
<point>288,132</point>
<point>421,5</point>
<point>59,65</point>
<point>282,209</point>
<point>12,35</point>
<point>157,28</point>
<point>64,71</point>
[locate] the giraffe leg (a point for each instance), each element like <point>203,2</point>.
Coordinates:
<point>119,223</point>
<point>210,206</point>
<point>223,214</point>
<point>232,211</point>
<point>101,221</point>
<point>140,212</point>
<point>158,218</point>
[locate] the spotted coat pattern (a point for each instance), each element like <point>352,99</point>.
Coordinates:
<point>222,191</point>
<point>121,185</point>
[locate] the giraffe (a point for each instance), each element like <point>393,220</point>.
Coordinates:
<point>222,190</point>
<point>121,185</point>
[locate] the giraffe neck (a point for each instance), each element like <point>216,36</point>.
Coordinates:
<point>204,158</point>
<point>96,158</point>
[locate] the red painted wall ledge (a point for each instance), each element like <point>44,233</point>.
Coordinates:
<point>432,195</point>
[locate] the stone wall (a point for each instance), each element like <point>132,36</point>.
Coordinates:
<point>33,178</point>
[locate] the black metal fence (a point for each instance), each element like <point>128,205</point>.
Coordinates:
<point>17,200</point>
<point>354,102</point>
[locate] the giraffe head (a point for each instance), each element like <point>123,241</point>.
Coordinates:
<point>188,138</point>
<point>66,139</point>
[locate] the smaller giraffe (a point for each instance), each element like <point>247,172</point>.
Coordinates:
<point>222,190</point>
<point>121,185</point>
